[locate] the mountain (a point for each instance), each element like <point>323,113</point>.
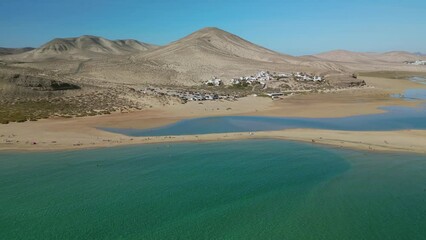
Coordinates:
<point>397,56</point>
<point>83,47</point>
<point>361,57</point>
<point>190,60</point>
<point>344,56</point>
<point>214,42</point>
<point>196,58</point>
<point>206,53</point>
<point>9,51</point>
<point>92,44</point>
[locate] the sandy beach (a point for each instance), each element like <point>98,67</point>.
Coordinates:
<point>79,133</point>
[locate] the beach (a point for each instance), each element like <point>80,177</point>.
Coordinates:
<point>80,133</point>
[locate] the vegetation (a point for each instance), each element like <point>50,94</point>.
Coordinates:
<point>20,109</point>
<point>241,85</point>
<point>32,110</point>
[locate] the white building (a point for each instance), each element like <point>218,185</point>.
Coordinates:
<point>284,75</point>
<point>317,79</point>
<point>235,81</point>
<point>214,82</point>
<point>417,63</point>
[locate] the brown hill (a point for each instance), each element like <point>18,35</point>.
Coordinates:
<point>83,47</point>
<point>196,58</point>
<point>201,55</point>
<point>189,61</point>
<point>216,42</point>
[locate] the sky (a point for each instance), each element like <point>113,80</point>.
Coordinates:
<point>295,27</point>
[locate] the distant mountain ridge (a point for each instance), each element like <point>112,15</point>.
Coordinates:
<point>10,51</point>
<point>208,42</point>
<point>199,56</point>
<point>94,44</point>
<point>365,57</point>
<point>85,46</point>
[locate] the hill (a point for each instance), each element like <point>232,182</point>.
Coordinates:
<point>82,47</point>
<point>219,43</point>
<point>206,53</point>
<point>361,57</point>
<point>10,51</point>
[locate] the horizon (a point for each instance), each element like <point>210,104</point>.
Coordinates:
<point>302,28</point>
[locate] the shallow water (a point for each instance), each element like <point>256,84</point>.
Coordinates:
<point>418,79</point>
<point>412,95</point>
<point>262,189</point>
<point>396,118</point>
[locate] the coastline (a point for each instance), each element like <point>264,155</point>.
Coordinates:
<point>82,133</point>
<point>411,141</point>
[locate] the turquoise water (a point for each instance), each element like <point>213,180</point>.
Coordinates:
<point>396,118</point>
<point>262,189</point>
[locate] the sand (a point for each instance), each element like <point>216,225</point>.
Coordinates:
<point>392,141</point>
<point>79,133</point>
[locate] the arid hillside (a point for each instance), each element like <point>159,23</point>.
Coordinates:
<point>202,55</point>
<point>360,57</point>
<point>83,47</point>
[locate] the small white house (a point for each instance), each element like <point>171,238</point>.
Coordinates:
<point>214,82</point>
<point>317,78</point>
<point>235,81</point>
<point>284,75</point>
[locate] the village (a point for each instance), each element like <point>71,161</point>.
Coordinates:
<point>262,84</point>
<point>264,77</point>
<point>218,90</point>
<point>417,63</point>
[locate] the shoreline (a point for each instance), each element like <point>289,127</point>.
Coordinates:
<point>408,141</point>
<point>83,133</point>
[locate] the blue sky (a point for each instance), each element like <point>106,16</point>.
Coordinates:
<point>295,27</point>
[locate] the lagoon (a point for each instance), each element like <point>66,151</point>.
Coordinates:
<point>395,118</point>
<point>257,189</point>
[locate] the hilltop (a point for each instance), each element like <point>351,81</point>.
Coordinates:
<point>216,42</point>
<point>199,56</point>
